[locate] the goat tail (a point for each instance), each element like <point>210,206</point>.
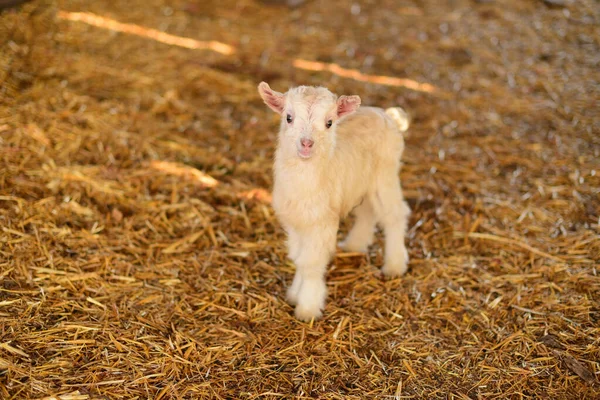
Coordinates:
<point>400,117</point>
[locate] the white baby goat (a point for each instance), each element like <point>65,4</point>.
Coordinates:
<point>334,158</point>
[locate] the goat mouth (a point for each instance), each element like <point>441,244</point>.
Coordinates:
<point>305,154</point>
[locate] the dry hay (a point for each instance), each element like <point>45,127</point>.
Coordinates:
<point>139,257</point>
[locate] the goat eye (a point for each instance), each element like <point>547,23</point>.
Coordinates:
<point>328,124</point>
<point>289,119</point>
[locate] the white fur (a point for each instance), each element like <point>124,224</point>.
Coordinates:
<point>353,165</point>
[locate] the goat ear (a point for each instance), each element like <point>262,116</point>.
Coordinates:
<point>275,100</point>
<point>347,105</point>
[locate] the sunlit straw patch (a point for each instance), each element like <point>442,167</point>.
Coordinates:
<point>359,76</point>
<point>186,172</point>
<point>133,29</point>
<point>261,195</point>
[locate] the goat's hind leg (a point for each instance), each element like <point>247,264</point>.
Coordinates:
<point>294,245</point>
<point>392,213</point>
<point>361,235</point>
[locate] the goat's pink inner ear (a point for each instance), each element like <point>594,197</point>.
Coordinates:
<point>275,100</point>
<point>347,105</point>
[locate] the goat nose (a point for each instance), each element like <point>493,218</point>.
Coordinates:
<point>308,143</point>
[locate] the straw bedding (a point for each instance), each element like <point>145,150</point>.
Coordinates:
<point>139,256</point>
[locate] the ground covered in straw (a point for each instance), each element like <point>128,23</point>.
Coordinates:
<point>139,256</point>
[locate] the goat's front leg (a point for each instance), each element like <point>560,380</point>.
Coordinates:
<point>308,290</point>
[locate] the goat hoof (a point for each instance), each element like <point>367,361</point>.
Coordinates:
<point>394,270</point>
<point>306,314</point>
